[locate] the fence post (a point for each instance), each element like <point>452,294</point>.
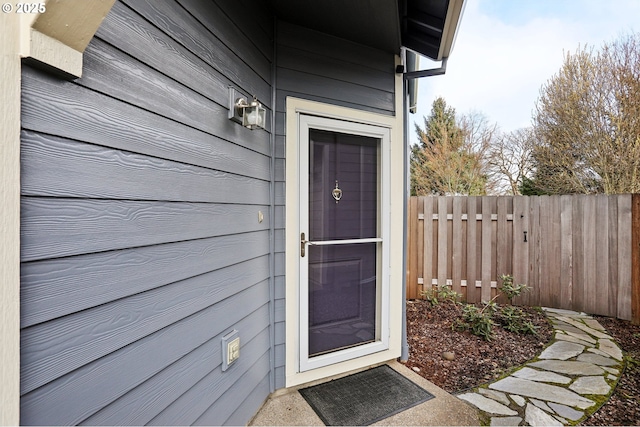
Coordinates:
<point>635,258</point>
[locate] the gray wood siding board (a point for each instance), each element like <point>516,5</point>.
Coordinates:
<point>140,405</point>
<point>52,228</point>
<point>279,170</point>
<point>323,65</point>
<point>279,216</point>
<point>279,241</point>
<point>298,37</point>
<point>280,377</point>
<point>54,288</point>
<point>191,405</point>
<point>229,32</point>
<point>282,97</point>
<point>280,287</point>
<point>126,30</point>
<point>50,107</point>
<point>58,402</point>
<point>66,168</point>
<point>114,73</point>
<point>281,119</point>
<point>280,354</point>
<point>280,264</point>
<point>324,87</point>
<point>280,310</point>
<point>280,144</point>
<point>52,349</point>
<point>257,25</point>
<point>280,193</point>
<point>244,412</point>
<point>186,30</point>
<point>280,332</point>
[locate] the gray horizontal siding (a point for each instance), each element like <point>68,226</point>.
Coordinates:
<point>82,393</point>
<point>141,245</point>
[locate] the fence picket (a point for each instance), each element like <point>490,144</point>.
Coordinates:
<point>456,233</point>
<point>443,241</point>
<point>471,250</point>
<point>566,252</point>
<point>574,251</point>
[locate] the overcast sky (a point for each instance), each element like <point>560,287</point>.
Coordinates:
<point>506,50</point>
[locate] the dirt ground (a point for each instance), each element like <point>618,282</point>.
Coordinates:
<point>477,361</point>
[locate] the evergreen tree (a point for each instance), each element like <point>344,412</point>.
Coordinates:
<point>445,161</point>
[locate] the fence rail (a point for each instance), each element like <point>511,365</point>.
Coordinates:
<point>578,252</point>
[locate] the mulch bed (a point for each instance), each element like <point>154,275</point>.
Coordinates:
<point>477,361</point>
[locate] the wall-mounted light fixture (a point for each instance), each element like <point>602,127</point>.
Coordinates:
<point>251,115</point>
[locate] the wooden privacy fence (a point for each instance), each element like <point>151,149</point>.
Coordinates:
<point>578,252</point>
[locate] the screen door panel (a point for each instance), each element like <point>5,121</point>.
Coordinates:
<point>343,218</point>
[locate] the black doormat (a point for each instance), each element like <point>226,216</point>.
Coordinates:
<point>364,398</point>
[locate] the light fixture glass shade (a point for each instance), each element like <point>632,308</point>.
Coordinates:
<point>254,115</point>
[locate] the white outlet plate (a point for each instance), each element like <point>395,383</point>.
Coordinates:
<point>230,349</point>
<point>233,350</point>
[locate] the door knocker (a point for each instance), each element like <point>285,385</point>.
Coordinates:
<point>337,193</point>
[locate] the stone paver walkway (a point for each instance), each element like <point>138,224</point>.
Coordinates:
<point>563,384</point>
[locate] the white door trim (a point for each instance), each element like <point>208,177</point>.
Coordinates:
<point>307,122</point>
<point>296,107</point>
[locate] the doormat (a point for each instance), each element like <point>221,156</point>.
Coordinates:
<point>364,398</point>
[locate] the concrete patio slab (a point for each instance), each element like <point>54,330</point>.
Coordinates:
<point>288,408</point>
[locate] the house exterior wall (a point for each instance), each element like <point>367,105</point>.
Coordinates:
<point>140,240</point>
<point>318,67</point>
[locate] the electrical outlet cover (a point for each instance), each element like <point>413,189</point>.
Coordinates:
<point>230,349</point>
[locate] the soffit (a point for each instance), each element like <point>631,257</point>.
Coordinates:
<point>382,24</point>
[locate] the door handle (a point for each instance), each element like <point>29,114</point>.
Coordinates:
<point>303,244</point>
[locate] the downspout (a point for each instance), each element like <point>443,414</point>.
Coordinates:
<point>409,77</point>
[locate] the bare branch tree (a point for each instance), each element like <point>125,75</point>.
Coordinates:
<point>587,122</point>
<point>509,161</point>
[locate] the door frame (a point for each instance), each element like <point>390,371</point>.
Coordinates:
<point>392,213</point>
<point>306,122</point>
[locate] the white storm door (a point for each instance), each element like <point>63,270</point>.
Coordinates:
<point>344,278</point>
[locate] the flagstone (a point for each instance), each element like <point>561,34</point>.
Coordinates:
<point>594,324</point>
<point>610,348</point>
<point>561,350</point>
<point>590,385</point>
<point>505,421</point>
<point>550,393</point>
<point>519,400</point>
<point>487,405</point>
<point>585,328</point>
<point>544,376</point>
<point>568,367</point>
<point>596,359</point>
<point>566,337</point>
<point>563,312</point>
<point>566,412</point>
<point>614,371</point>
<point>535,416</point>
<point>495,395</point>
<point>611,377</point>
<point>542,405</point>
<point>600,352</point>
<point>583,336</point>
